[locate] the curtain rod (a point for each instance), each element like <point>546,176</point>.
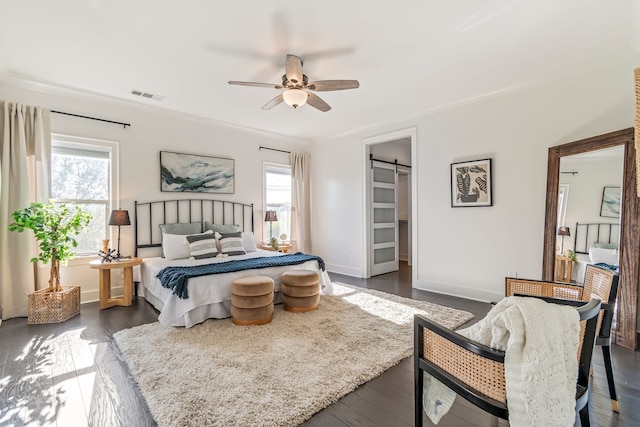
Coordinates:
<point>92,118</point>
<point>274,149</point>
<point>385,161</point>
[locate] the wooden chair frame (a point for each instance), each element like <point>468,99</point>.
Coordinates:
<point>476,372</point>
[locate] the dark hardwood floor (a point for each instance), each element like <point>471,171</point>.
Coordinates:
<point>72,374</point>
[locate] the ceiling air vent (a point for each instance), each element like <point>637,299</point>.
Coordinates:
<point>147,95</point>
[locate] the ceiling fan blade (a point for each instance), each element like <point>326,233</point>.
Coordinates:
<point>270,85</point>
<point>293,69</point>
<point>326,85</point>
<point>316,102</point>
<point>275,101</point>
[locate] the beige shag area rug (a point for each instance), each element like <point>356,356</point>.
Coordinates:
<point>279,374</point>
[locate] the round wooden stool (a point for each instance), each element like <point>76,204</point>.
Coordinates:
<point>300,290</point>
<point>252,300</point>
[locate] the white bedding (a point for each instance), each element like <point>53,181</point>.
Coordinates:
<point>209,296</point>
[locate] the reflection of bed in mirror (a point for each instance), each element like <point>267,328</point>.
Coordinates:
<point>595,243</point>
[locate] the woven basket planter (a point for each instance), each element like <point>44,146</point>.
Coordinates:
<point>54,307</point>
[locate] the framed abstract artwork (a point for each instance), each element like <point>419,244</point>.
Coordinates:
<point>611,197</point>
<point>471,184</point>
<point>194,173</point>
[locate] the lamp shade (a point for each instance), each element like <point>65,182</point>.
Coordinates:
<point>271,216</point>
<point>564,231</point>
<point>295,97</point>
<point>119,217</point>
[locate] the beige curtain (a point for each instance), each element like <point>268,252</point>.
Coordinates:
<point>300,202</point>
<point>25,157</point>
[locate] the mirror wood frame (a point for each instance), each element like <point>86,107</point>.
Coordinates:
<point>626,334</point>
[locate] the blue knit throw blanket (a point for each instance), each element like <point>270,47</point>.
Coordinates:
<point>176,278</point>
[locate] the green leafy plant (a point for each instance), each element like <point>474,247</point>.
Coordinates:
<point>274,243</point>
<point>571,254</point>
<point>55,228</point>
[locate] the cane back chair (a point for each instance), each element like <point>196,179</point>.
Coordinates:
<point>476,372</point>
<point>600,283</point>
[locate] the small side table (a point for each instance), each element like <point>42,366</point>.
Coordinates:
<point>563,269</point>
<point>105,281</point>
<point>283,247</point>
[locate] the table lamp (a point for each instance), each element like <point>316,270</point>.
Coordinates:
<point>563,231</point>
<point>270,217</point>
<point>119,217</point>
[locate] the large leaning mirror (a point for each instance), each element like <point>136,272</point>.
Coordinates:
<point>589,203</point>
<point>558,232</point>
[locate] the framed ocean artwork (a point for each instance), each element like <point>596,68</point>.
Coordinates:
<point>195,173</point>
<point>610,207</point>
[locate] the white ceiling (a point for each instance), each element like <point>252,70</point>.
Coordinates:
<point>411,57</point>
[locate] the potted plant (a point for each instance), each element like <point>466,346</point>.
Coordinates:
<point>55,228</point>
<point>571,254</point>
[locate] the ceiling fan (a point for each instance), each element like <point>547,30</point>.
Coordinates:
<point>296,88</point>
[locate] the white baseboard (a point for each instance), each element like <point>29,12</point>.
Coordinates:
<point>94,296</point>
<point>459,291</point>
<point>343,269</point>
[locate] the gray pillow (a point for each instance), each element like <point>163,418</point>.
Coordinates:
<point>231,243</point>
<point>221,228</point>
<point>604,245</point>
<point>202,245</point>
<point>181,229</point>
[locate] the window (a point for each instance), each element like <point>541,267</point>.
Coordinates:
<point>563,196</point>
<point>277,189</point>
<point>82,172</point>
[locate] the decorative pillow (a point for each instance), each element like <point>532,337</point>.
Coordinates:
<point>202,245</point>
<point>175,246</point>
<point>221,228</point>
<point>231,243</point>
<point>180,229</point>
<point>603,245</point>
<point>608,256</point>
<point>249,242</point>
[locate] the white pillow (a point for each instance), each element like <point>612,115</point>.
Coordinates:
<point>607,256</point>
<point>175,246</point>
<point>249,242</point>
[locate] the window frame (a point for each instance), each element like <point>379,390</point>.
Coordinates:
<point>97,145</point>
<point>266,167</point>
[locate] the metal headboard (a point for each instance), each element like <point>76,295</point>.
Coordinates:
<point>587,234</point>
<point>149,215</point>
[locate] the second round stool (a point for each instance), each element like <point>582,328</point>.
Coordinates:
<point>252,300</point>
<point>300,290</point>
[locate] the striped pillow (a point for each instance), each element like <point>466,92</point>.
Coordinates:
<point>202,245</point>
<point>231,243</point>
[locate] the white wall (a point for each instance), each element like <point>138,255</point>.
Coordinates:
<point>585,190</point>
<point>469,251</point>
<point>151,131</point>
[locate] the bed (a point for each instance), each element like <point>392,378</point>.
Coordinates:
<point>595,243</point>
<point>209,296</point>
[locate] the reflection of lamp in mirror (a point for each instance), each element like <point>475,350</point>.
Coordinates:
<point>563,231</point>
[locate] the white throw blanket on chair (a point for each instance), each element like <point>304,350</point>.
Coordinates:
<point>540,341</point>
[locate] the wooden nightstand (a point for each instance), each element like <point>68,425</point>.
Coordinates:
<point>283,247</point>
<point>105,281</point>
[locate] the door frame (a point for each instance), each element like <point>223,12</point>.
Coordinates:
<point>366,200</point>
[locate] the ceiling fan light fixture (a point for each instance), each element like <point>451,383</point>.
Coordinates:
<point>295,97</point>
